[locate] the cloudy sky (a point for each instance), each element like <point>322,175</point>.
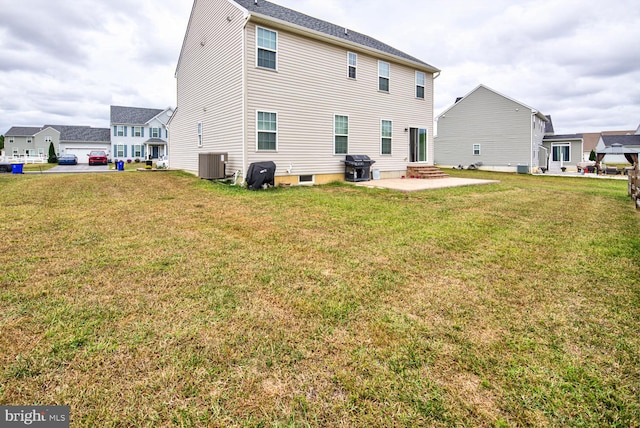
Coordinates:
<point>66,61</point>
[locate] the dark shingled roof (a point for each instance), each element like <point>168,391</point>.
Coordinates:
<point>82,133</point>
<point>291,16</point>
<point>132,115</point>
<point>548,126</point>
<point>563,137</point>
<point>625,140</point>
<point>22,131</point>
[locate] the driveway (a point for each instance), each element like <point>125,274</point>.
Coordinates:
<point>81,167</point>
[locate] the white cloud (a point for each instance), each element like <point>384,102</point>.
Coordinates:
<point>577,60</point>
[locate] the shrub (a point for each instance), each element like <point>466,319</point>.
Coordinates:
<point>128,160</point>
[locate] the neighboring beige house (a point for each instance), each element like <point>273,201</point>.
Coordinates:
<point>489,128</point>
<point>262,82</point>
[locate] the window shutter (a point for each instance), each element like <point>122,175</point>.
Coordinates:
<point>142,132</point>
<point>166,133</point>
<point>125,150</point>
<point>125,131</point>
<point>115,131</point>
<point>142,152</point>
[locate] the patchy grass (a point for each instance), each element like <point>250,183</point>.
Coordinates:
<point>163,300</point>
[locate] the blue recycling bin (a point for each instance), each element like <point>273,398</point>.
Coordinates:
<point>120,165</point>
<point>16,168</point>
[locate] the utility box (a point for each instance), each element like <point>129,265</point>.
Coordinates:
<point>211,166</point>
<point>523,169</point>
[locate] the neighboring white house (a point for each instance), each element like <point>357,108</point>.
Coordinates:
<point>487,127</point>
<point>139,133</point>
<point>262,82</point>
<point>32,143</point>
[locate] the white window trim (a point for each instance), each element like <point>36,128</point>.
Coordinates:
<point>200,133</point>
<point>137,129</point>
<point>390,137</point>
<point>423,86</point>
<point>120,130</point>
<point>355,67</point>
<point>267,49</point>
<point>11,140</point>
<point>340,135</point>
<point>479,149</point>
<point>385,77</point>
<point>274,132</point>
<point>29,140</point>
<point>307,183</point>
<point>153,132</point>
<point>118,146</point>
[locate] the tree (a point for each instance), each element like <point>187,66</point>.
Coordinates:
<point>52,154</point>
<point>1,142</point>
<point>592,155</point>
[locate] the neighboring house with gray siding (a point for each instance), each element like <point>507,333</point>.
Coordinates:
<point>490,128</point>
<point>263,82</point>
<point>28,143</point>
<point>139,133</point>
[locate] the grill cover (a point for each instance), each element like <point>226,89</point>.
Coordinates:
<point>358,160</point>
<point>261,173</point>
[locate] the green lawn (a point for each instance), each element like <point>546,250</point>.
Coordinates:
<point>159,299</point>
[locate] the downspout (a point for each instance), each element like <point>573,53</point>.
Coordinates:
<point>244,97</point>
<point>532,127</point>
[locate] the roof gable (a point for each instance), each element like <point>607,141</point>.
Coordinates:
<point>481,86</point>
<point>264,10</point>
<point>133,115</point>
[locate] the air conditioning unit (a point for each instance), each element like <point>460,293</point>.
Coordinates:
<point>211,166</point>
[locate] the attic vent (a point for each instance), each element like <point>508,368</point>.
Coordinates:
<point>458,99</point>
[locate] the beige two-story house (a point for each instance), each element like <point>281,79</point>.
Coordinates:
<point>262,82</point>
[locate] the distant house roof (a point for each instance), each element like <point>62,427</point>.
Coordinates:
<point>625,140</point>
<point>133,115</point>
<point>548,126</point>
<point>563,137</point>
<point>22,131</point>
<point>82,133</point>
<point>274,12</point>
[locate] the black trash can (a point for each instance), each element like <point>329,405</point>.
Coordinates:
<point>357,168</point>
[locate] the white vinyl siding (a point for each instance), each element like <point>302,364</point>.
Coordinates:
<point>307,101</point>
<point>267,48</point>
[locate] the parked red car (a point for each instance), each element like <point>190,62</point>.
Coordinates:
<point>98,157</point>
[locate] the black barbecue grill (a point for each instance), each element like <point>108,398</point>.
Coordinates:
<point>357,168</point>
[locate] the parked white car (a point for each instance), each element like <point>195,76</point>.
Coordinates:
<point>162,162</point>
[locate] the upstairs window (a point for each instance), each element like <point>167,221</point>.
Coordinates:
<point>267,131</point>
<point>11,140</point>
<point>420,80</point>
<point>29,140</point>
<point>47,139</point>
<point>267,48</point>
<point>476,149</point>
<point>119,131</point>
<point>137,131</point>
<point>341,135</point>
<point>155,132</point>
<point>199,134</point>
<point>352,61</point>
<point>383,76</point>
<point>386,132</point>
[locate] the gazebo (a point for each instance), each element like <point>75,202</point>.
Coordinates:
<point>618,149</point>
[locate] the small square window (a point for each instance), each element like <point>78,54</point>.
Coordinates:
<point>476,149</point>
<point>305,179</point>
